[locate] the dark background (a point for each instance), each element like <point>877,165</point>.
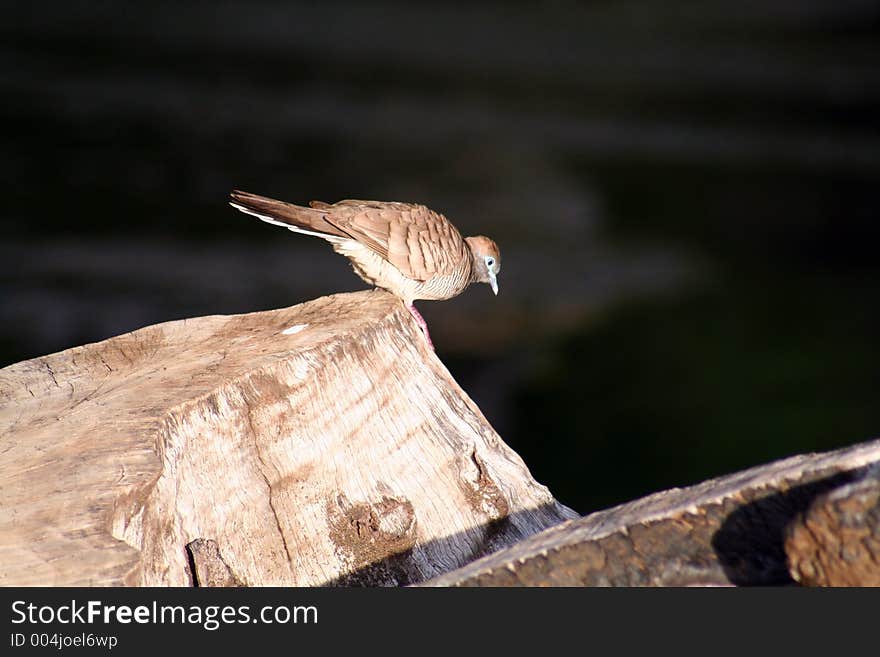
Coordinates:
<point>685,193</point>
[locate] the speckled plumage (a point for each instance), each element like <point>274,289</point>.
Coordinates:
<point>407,249</point>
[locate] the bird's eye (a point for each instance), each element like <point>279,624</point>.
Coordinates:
<point>490,261</point>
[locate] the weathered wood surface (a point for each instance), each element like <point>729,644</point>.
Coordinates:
<point>836,541</point>
<point>318,444</point>
<point>729,530</point>
<point>206,565</point>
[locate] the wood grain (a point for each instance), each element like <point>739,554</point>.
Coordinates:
<point>322,443</point>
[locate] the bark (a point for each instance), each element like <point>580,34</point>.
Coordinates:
<point>814,517</point>
<point>836,541</point>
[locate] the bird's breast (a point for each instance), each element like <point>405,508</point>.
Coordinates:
<point>377,271</point>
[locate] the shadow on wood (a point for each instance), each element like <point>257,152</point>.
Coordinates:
<point>395,567</point>
<point>293,447</point>
<point>729,530</point>
<point>750,543</point>
<point>836,540</point>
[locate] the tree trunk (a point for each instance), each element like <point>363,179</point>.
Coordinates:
<point>318,444</point>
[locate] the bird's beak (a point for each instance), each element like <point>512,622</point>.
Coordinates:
<point>493,283</point>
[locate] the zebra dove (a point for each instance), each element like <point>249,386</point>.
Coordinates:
<point>407,249</point>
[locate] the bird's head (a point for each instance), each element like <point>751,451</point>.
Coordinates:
<point>486,260</point>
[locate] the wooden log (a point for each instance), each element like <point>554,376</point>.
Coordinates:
<point>836,541</point>
<point>318,444</point>
<point>729,530</point>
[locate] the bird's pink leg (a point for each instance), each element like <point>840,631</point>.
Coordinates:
<point>421,322</point>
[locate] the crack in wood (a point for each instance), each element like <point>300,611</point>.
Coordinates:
<point>51,373</point>
<point>262,470</point>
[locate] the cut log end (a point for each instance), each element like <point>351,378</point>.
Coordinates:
<point>323,443</point>
<point>836,541</point>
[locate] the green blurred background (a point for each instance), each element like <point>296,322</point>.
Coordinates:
<point>685,193</point>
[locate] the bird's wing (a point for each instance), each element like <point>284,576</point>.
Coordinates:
<point>419,242</point>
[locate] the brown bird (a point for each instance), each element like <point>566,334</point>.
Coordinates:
<point>407,249</point>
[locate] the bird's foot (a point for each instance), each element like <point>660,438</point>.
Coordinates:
<point>421,322</point>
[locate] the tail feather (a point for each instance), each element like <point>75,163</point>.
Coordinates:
<point>308,221</point>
